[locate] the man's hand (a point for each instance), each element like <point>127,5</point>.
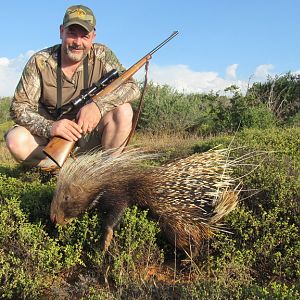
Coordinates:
<point>88,117</point>
<point>67,129</point>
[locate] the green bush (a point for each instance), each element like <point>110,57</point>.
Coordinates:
<point>134,248</point>
<point>166,110</point>
<point>29,259</point>
<point>235,113</point>
<point>280,94</point>
<point>294,120</point>
<point>216,290</point>
<point>258,117</point>
<point>4,109</point>
<point>35,195</point>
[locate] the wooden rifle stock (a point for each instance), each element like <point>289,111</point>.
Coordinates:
<point>58,149</point>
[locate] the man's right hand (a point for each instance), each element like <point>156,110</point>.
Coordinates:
<point>66,129</point>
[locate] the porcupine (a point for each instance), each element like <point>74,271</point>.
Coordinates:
<point>188,196</point>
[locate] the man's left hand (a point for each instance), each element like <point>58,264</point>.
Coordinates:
<point>88,117</point>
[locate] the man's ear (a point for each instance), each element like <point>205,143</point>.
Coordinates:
<point>61,30</point>
<point>94,34</point>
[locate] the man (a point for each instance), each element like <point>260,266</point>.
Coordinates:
<point>55,76</point>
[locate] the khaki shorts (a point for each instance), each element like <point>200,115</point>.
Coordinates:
<point>88,142</point>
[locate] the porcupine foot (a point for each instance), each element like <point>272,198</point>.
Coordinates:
<point>106,240</point>
<point>112,215</point>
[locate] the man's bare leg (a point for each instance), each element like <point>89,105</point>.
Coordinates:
<point>115,127</point>
<point>26,148</point>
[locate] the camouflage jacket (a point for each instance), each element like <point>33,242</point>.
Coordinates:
<point>34,102</point>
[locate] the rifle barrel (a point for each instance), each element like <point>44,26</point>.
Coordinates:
<point>163,43</point>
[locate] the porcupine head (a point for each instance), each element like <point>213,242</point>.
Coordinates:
<point>82,183</point>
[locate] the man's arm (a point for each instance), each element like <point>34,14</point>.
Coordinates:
<point>24,107</point>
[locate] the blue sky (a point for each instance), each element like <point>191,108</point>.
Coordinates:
<point>220,42</point>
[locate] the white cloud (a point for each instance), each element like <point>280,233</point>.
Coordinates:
<point>231,71</point>
<point>296,72</point>
<point>4,61</point>
<point>182,78</point>
<point>10,72</point>
<point>263,71</point>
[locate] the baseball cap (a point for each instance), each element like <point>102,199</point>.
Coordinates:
<point>81,15</point>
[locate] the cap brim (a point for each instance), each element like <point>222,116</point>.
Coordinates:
<point>81,23</point>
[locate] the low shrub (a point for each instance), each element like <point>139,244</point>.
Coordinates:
<point>29,259</point>
<point>166,110</point>
<point>4,109</point>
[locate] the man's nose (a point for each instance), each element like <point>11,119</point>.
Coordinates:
<point>77,40</point>
<point>77,37</point>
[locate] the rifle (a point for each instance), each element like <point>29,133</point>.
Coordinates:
<point>87,94</point>
<point>58,149</point>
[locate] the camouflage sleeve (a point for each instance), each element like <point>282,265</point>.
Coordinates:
<point>24,107</point>
<point>127,92</point>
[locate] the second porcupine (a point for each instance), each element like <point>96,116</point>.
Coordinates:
<point>188,196</point>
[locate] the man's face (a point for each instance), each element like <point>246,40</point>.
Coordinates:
<point>76,41</point>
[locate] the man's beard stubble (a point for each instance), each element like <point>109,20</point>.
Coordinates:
<point>76,57</point>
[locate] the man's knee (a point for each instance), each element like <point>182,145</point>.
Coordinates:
<point>21,143</point>
<point>17,138</point>
<point>122,114</point>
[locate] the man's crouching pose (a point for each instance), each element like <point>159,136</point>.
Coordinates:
<point>56,75</point>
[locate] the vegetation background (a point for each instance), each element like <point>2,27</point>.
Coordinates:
<point>260,259</point>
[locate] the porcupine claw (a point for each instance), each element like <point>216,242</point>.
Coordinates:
<point>108,235</point>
